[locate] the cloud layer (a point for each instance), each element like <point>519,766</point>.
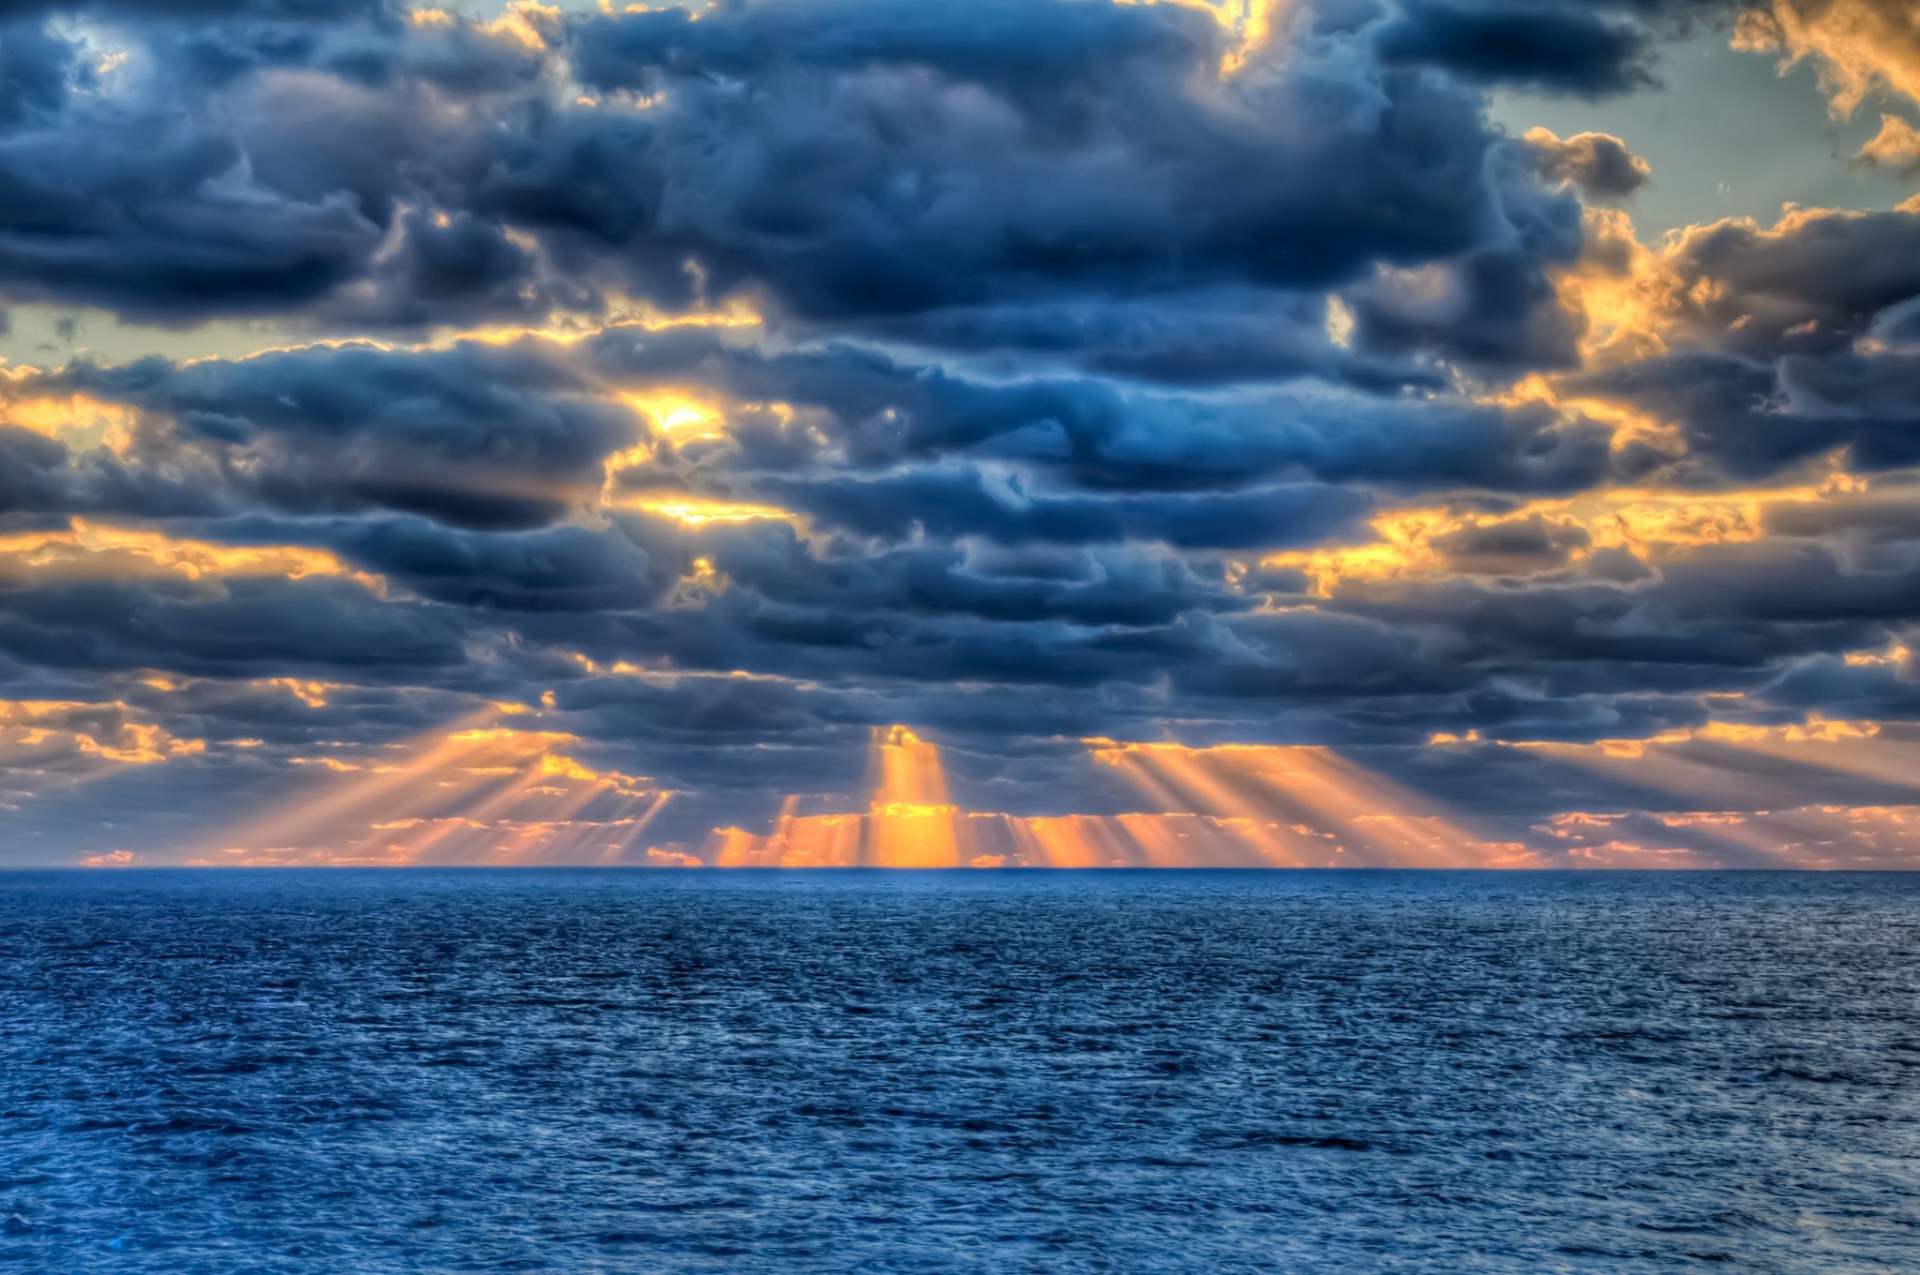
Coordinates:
<point>687,396</point>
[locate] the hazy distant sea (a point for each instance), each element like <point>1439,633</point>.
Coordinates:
<point>345,1073</point>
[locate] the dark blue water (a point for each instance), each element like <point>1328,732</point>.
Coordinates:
<point>336,1072</point>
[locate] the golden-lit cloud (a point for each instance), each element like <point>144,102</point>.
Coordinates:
<point>69,738</point>
<point>1434,543</point>
<point>1622,289</point>
<point>1860,47</point>
<point>1598,163</point>
<point>525,23</point>
<point>1893,655</point>
<point>697,511</point>
<point>1252,26</point>
<point>1401,549</point>
<point>675,418</point>
<point>1638,301</point>
<point>90,550</point>
<point>311,693</point>
<point>80,421</point>
<point>111,859</point>
<point>1780,739</point>
<point>1896,145</point>
<point>1255,24</point>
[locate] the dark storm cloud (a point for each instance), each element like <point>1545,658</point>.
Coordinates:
<point>1495,311</point>
<point>1566,47</point>
<point>146,200</point>
<point>880,412</point>
<point>163,11</point>
<point>1523,547</point>
<point>554,569</point>
<point>251,159</point>
<point>475,435</point>
<point>36,73</point>
<point>1204,338</point>
<point>949,503</point>
<point>935,175</point>
<point>1837,689</point>
<point>892,161</point>
<point>1811,285</point>
<point>1307,656</point>
<point>1752,418</point>
<point>1785,343</point>
<point>42,481</point>
<point>512,436</point>
<point>1887,516</point>
<point>1793,583</point>
<point>1735,618</point>
<point>1091,587</point>
<point>249,627</point>
<point>276,713</point>
<point>710,709</point>
<point>1716,616</point>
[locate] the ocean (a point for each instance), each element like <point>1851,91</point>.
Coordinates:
<point>362,1072</point>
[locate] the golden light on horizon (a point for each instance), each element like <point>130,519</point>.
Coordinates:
<point>470,793</point>
<point>1287,801</point>
<point>477,792</point>
<point>1223,807</point>
<point>1750,786</point>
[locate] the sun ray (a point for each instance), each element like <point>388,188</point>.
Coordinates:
<point>471,792</point>
<point>1220,807</point>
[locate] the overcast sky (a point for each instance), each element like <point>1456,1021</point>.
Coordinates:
<point>1014,431</point>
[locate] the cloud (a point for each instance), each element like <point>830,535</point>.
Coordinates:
<point>343,165</point>
<point>111,859</point>
<point>958,502</point>
<point>996,191</point>
<point>474,435</point>
<point>554,569</point>
<point>1750,349</point>
<point>1896,145</point>
<point>1557,47</point>
<point>1859,46</point>
<point>1598,163</point>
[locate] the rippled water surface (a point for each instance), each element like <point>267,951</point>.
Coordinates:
<point>344,1072</point>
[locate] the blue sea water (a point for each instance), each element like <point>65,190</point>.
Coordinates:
<point>1134,1072</point>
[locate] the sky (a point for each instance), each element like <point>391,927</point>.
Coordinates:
<point>1071,433</point>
